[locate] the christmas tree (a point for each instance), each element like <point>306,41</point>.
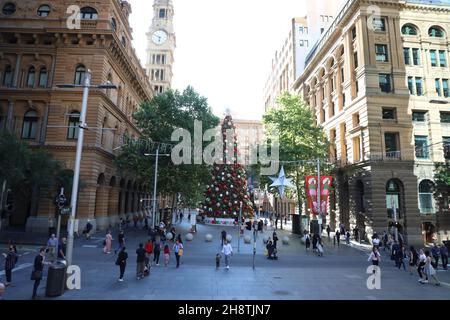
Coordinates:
<point>228,187</point>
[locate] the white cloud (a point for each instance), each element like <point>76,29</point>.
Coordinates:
<point>224,47</point>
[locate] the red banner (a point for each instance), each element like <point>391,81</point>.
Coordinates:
<point>311,187</point>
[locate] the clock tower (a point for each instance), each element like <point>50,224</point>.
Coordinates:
<point>161,45</point>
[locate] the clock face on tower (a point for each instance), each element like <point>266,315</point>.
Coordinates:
<point>159,37</point>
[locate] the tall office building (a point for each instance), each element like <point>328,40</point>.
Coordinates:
<point>161,46</point>
<point>289,61</point>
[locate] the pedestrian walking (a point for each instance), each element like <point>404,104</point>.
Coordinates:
<point>275,239</point>
<point>107,243</point>
<point>166,255</point>
<point>430,272</point>
<point>121,241</point>
<point>375,257</point>
<point>328,232</point>
<point>347,237</point>
<point>224,237</point>
<point>189,217</point>
<point>179,238</point>
<point>320,248</point>
<point>413,258</point>
<point>38,269</point>
<point>88,229</point>
<point>181,217</point>
<point>444,256</point>
<point>156,250</point>
<point>140,261</point>
<point>52,247</point>
<point>307,242</point>
<point>122,262</point>
<point>10,262</point>
<point>62,249</point>
<point>148,253</point>
<point>401,257</point>
<point>178,250</point>
<point>421,266</point>
<point>265,224</point>
<point>436,252</point>
<point>227,251</point>
<point>394,253</point>
<point>376,242</point>
<point>356,233</point>
<point>338,237</point>
<point>385,238</point>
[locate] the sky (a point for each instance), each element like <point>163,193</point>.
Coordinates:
<point>224,47</point>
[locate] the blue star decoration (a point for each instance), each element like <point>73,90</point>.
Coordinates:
<point>281,182</point>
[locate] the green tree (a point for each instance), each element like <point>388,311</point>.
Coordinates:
<point>300,138</point>
<point>157,119</point>
<point>30,174</point>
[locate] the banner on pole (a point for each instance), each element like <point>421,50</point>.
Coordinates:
<point>311,188</point>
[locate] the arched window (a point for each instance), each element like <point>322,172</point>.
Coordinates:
<point>80,73</point>
<point>409,29</point>
<point>7,76</point>
<point>393,198</point>
<point>31,77</point>
<point>43,11</point>
<point>426,190</point>
<point>30,122</point>
<point>43,76</point>
<point>124,41</point>
<point>436,32</point>
<point>88,13</point>
<point>74,121</point>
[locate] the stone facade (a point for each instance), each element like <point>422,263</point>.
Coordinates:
<point>38,51</point>
<point>357,80</point>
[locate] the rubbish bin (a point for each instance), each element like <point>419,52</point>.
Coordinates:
<point>296,224</point>
<point>56,280</point>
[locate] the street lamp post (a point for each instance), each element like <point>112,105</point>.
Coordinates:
<point>76,174</point>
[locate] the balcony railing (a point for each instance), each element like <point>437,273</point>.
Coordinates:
<point>391,155</point>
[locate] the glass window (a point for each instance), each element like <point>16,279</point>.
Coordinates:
<point>381,53</point>
<point>31,77</point>
<point>442,58</point>
<point>7,76</point>
<point>379,24</point>
<point>162,13</point>
<point>392,147</point>
<point>421,145</point>
<point>416,56</point>
<point>407,56</point>
<point>436,32</point>
<point>385,82</point>
<point>411,85</point>
<point>9,9</point>
<point>80,73</point>
<point>43,11</point>
<point>426,202</point>
<point>418,116</point>
<point>393,199</point>
<point>446,147</point>
<point>419,86</point>
<point>113,24</point>
<point>29,128</point>
<point>88,13</point>
<point>43,76</point>
<point>409,29</point>
<point>355,59</point>
<point>389,113</point>
<point>74,121</point>
<point>445,88</point>
<point>445,117</point>
<point>354,33</point>
<point>433,58</point>
<point>437,83</point>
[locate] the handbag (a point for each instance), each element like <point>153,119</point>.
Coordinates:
<point>180,252</point>
<point>36,275</point>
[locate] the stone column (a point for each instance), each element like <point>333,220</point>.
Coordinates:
<point>10,117</point>
<point>113,205</point>
<point>101,207</point>
<point>17,71</point>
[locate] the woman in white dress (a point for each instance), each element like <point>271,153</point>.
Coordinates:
<point>429,270</point>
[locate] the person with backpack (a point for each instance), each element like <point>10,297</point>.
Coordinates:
<point>122,262</point>
<point>436,252</point>
<point>413,257</point>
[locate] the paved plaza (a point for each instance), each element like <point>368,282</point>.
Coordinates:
<point>297,275</point>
